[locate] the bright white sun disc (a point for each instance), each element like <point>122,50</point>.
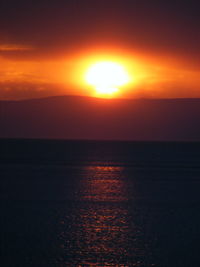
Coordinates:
<point>106,77</point>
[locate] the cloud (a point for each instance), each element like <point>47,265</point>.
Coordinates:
<point>14,48</point>
<point>27,90</point>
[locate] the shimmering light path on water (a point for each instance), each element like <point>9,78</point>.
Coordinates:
<point>102,226</point>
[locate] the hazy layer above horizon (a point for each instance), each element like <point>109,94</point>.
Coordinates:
<point>101,119</point>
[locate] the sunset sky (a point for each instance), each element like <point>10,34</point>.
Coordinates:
<point>46,47</point>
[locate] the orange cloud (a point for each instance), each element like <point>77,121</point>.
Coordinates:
<point>14,47</point>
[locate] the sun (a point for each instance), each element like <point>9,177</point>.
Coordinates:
<point>106,77</point>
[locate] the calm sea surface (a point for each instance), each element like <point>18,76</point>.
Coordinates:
<point>71,203</point>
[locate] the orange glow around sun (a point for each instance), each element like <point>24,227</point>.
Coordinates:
<point>101,73</point>
<point>107,77</point>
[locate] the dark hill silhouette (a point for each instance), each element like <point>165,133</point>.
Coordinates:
<point>72,117</point>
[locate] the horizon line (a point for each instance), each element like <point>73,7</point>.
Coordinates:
<point>100,98</point>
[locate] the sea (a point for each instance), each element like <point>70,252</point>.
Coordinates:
<point>99,203</point>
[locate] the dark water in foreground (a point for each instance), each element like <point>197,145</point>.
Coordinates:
<point>99,204</point>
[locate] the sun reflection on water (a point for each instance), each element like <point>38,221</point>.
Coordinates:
<point>100,233</point>
<point>104,183</point>
<point>103,220</point>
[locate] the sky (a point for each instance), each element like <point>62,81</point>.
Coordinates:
<point>47,46</point>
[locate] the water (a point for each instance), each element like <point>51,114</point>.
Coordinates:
<point>99,203</point>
